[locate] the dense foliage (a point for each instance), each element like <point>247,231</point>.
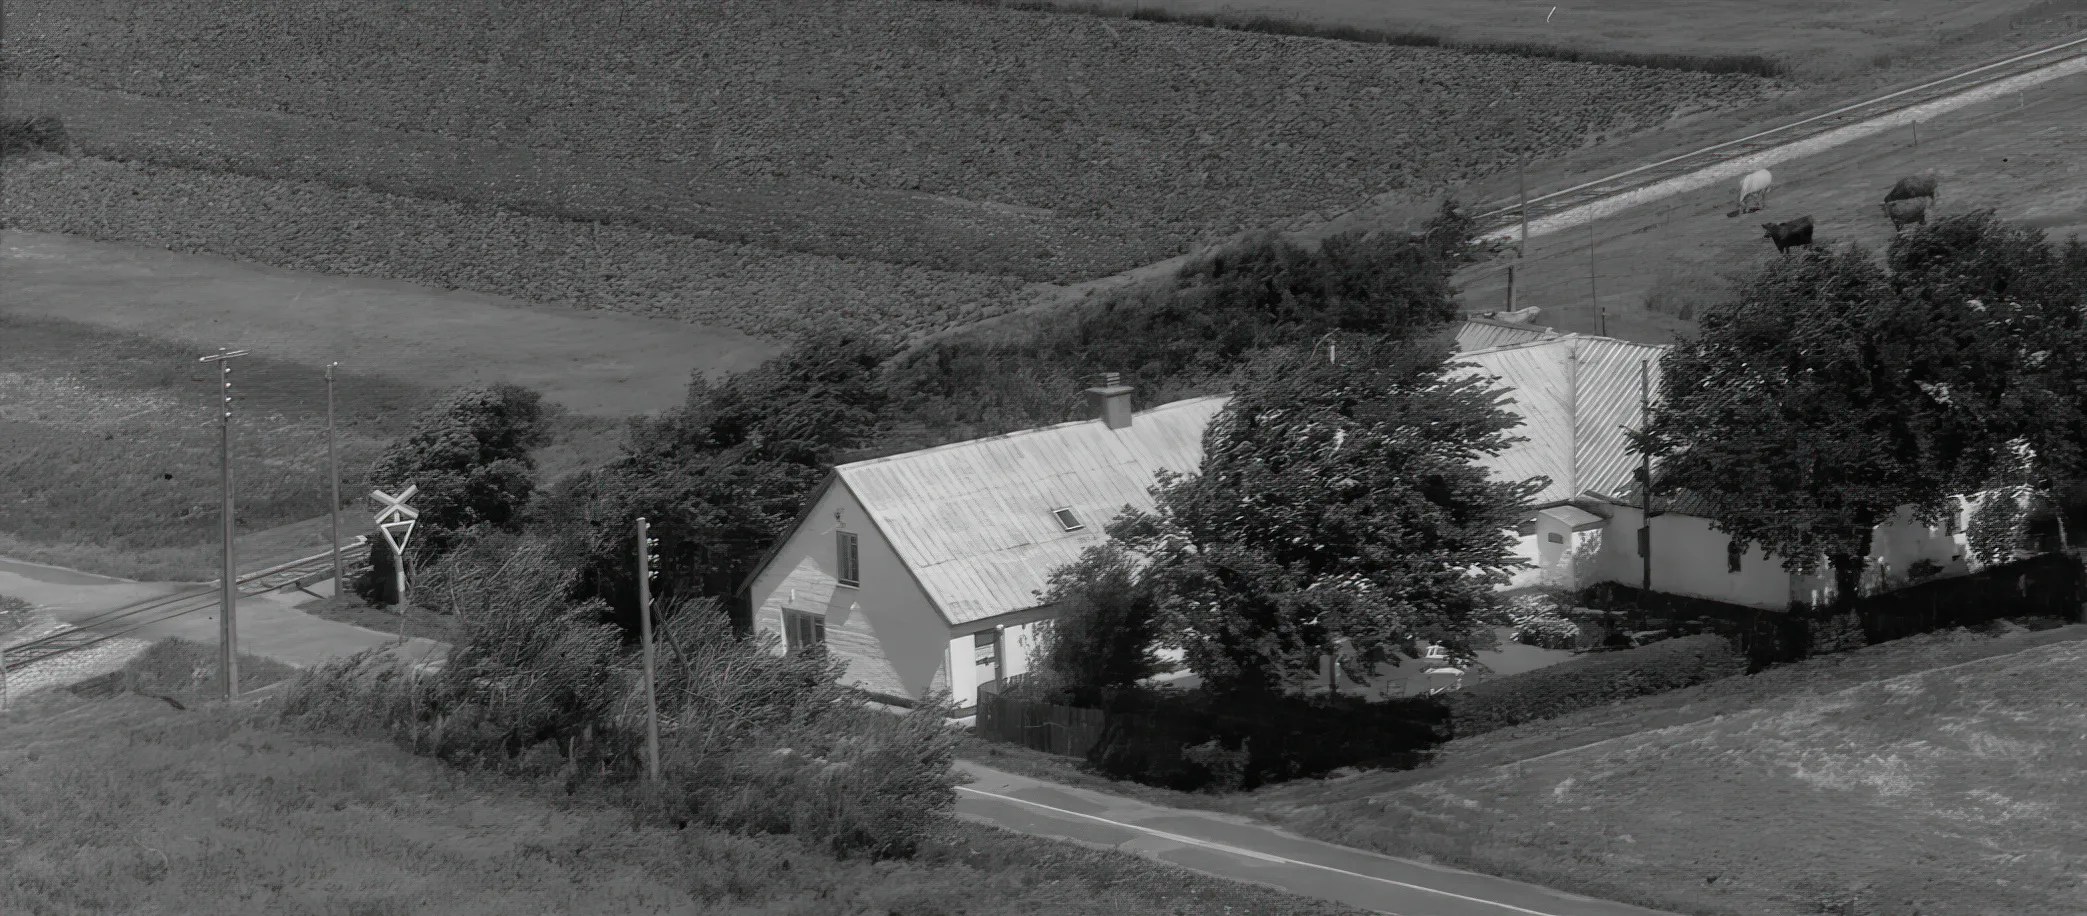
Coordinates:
<point>751,739</point>
<point>470,457</point>
<point>1105,633</point>
<point>1593,680</point>
<point>722,476</point>
<point>1835,390</point>
<point>1339,506</point>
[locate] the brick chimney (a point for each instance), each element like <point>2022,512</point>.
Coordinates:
<point>1111,401</point>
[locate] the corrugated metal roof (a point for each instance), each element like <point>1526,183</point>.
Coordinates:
<point>974,522</point>
<point>1484,333</point>
<point>1574,394</point>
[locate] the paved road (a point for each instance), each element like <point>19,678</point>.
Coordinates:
<point>1241,850</point>
<point>270,625</point>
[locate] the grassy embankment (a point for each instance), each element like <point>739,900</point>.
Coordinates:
<point>124,804</point>
<point>1934,774</point>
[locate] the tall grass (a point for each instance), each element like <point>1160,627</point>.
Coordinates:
<point>539,688</point>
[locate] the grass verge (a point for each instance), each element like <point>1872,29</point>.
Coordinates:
<point>1910,777</point>
<point>125,804</point>
<point>420,622</point>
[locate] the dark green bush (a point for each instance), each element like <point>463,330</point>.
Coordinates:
<point>26,134</point>
<point>1593,680</point>
<point>1192,740</point>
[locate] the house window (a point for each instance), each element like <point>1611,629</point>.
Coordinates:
<point>1526,529</point>
<point>1557,538</point>
<point>1733,554</point>
<point>1644,540</point>
<point>1066,519</point>
<point>802,630</point>
<point>985,648</point>
<point>850,564</point>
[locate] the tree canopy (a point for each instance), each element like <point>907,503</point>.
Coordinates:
<point>1338,502</point>
<point>1833,390</point>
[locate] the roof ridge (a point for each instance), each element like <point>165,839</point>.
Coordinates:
<point>1015,434</point>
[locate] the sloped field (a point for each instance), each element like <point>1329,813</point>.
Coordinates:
<point>1113,143</point>
<point>1953,790</point>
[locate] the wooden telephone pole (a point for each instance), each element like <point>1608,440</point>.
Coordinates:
<point>227,629</point>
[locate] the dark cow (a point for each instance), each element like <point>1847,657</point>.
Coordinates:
<point>1913,186</point>
<point>1790,234</point>
<point>1907,212</point>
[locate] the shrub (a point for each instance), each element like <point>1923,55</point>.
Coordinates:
<point>1593,680</point>
<point>1104,636</point>
<point>751,739</point>
<point>28,134</point>
<point>1180,739</point>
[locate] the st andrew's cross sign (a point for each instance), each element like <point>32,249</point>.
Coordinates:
<point>396,519</point>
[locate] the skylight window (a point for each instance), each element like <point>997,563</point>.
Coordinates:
<point>1066,519</point>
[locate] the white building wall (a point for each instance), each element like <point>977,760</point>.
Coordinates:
<point>892,638</point>
<point>1689,559</point>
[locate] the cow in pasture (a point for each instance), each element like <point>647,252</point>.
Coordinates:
<point>1790,234</point>
<point>1755,186</point>
<point>1518,316</point>
<point>1906,212</point>
<point>1912,187</point>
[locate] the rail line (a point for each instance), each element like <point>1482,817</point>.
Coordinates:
<point>1507,216</point>
<point>131,618</point>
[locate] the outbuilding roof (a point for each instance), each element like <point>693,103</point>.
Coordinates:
<point>1575,395</point>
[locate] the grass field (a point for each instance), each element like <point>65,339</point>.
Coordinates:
<point>1757,781</point>
<point>1655,265</point>
<point>128,805</point>
<point>109,450</point>
<point>1933,775</point>
<point>1812,40</point>
<point>1133,140</point>
<point>111,446</point>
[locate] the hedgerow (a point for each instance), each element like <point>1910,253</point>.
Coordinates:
<point>1154,136</point>
<point>1593,680</point>
<point>312,226</point>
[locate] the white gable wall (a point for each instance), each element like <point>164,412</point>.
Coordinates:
<point>894,641</point>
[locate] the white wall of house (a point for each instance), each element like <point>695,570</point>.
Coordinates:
<point>1688,558</point>
<point>890,635</point>
<point>1016,642</point>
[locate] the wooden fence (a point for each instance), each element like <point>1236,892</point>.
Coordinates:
<point>1013,716</point>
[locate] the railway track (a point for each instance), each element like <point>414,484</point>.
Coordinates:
<point>131,618</point>
<point>1506,216</point>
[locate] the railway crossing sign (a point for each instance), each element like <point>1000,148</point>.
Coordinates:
<point>396,519</point>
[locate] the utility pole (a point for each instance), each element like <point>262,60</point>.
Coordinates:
<point>333,463</point>
<point>646,545</point>
<point>1601,317</point>
<point>1645,487</point>
<point>227,629</point>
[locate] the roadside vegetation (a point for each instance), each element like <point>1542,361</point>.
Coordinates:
<point>118,802</point>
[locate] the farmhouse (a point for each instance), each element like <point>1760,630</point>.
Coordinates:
<point>923,570</point>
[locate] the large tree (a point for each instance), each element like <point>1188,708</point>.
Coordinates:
<point>1994,332</point>
<point>1830,393</point>
<point>470,457</point>
<point>722,476</point>
<point>1338,502</point>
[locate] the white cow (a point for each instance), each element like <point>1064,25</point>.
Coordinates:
<point>1756,183</point>
<point>1518,316</point>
